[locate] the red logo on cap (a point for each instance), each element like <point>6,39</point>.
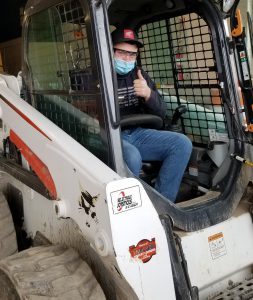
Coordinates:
<point>128,34</point>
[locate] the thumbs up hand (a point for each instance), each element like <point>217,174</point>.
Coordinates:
<point>140,86</point>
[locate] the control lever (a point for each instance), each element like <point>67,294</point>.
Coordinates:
<point>173,124</point>
<point>180,110</point>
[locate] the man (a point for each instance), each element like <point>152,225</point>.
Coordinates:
<point>138,94</point>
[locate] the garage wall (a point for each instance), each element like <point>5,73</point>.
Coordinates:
<point>11,56</point>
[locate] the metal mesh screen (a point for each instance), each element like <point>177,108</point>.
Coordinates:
<point>76,51</point>
<point>59,51</point>
<point>64,83</point>
<point>81,125</point>
<point>178,55</point>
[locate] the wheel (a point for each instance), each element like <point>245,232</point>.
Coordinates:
<point>8,240</point>
<point>47,272</point>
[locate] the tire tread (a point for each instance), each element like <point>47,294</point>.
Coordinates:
<point>51,273</point>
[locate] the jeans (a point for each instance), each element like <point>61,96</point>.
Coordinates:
<point>172,148</point>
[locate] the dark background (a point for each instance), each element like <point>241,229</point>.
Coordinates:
<point>10,27</point>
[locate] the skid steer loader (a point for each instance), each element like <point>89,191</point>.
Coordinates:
<point>74,222</point>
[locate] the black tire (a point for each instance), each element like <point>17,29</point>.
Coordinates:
<point>47,272</point>
<point>8,240</point>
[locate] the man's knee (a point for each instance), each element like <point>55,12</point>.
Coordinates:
<point>182,147</point>
<point>179,141</point>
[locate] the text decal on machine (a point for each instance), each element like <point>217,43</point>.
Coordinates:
<point>144,250</point>
<point>217,245</point>
<point>126,199</point>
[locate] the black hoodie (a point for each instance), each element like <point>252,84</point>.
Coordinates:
<point>129,103</point>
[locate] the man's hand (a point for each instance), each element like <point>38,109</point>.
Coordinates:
<point>140,87</point>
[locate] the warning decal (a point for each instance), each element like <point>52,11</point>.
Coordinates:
<point>244,63</point>
<point>144,250</point>
<point>217,245</point>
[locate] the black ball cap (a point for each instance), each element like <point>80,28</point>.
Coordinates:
<point>125,35</point>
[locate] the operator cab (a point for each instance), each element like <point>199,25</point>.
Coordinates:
<point>181,58</point>
<point>69,77</point>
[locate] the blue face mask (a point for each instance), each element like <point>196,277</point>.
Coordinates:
<point>123,67</point>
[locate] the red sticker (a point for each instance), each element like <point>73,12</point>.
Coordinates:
<point>144,250</point>
<point>128,34</point>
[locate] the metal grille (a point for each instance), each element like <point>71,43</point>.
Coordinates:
<point>65,86</point>
<point>178,55</point>
<point>81,126</point>
<point>58,49</point>
<point>75,60</point>
<point>240,290</point>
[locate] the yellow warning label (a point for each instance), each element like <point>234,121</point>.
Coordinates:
<point>217,245</point>
<point>215,236</point>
